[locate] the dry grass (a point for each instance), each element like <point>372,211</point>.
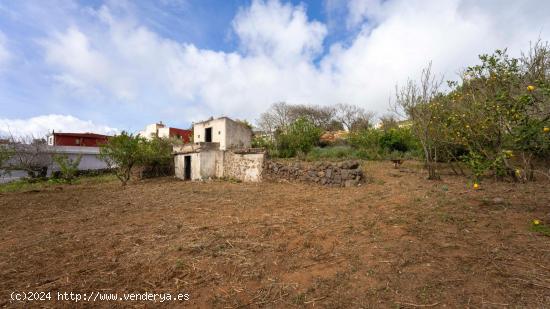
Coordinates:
<point>398,242</point>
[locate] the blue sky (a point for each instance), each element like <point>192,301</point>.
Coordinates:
<point>107,66</point>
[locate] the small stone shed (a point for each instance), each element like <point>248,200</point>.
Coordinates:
<point>221,149</point>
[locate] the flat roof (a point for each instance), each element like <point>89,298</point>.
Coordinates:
<point>93,135</point>
<point>222,117</point>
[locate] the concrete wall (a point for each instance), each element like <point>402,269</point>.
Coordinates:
<point>238,135</point>
<point>203,165</point>
<point>89,161</point>
<point>230,134</point>
<point>90,157</point>
<point>179,165</point>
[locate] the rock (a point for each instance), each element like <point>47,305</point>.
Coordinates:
<point>328,172</point>
<point>498,201</point>
<point>345,174</point>
<point>321,174</point>
<point>350,183</point>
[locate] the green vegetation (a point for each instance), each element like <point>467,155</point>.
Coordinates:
<point>122,153</point>
<point>299,137</point>
<point>6,153</point>
<point>336,153</point>
<point>126,151</point>
<point>23,185</point>
<point>539,227</point>
<point>68,167</point>
<point>493,122</point>
<point>496,119</point>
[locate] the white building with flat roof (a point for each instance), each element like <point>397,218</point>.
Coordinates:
<point>221,148</point>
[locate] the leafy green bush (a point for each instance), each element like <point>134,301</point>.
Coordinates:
<point>262,142</point>
<point>383,144</point>
<point>336,152</point>
<point>68,167</point>
<point>300,137</point>
<point>156,152</point>
<point>398,139</point>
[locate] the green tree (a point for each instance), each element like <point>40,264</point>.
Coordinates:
<point>122,153</point>
<point>499,112</point>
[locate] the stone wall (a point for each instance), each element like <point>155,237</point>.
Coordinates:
<point>246,167</point>
<point>338,174</point>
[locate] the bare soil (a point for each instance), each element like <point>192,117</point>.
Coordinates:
<point>399,241</point>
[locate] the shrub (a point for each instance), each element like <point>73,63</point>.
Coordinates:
<point>68,167</point>
<point>6,153</point>
<point>336,152</point>
<point>300,137</point>
<point>379,144</point>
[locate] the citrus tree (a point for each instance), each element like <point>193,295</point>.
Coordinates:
<point>499,113</point>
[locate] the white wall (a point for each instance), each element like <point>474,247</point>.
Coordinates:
<point>230,134</point>
<point>218,131</point>
<point>89,161</point>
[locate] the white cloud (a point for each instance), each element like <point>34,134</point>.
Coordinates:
<point>281,32</point>
<point>42,125</point>
<point>281,56</point>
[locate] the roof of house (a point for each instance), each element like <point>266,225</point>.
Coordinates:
<point>87,134</point>
<point>212,119</point>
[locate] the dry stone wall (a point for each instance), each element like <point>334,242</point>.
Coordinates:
<point>338,174</point>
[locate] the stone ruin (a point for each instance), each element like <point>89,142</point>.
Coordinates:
<point>336,174</point>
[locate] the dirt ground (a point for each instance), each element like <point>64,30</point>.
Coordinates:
<point>399,241</point>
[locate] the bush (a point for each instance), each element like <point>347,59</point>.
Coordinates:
<point>300,137</point>
<point>68,167</point>
<point>336,152</point>
<point>379,144</point>
<point>398,139</point>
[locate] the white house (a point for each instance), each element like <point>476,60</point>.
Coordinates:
<point>221,148</point>
<point>228,133</point>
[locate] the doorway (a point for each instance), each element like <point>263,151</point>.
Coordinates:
<point>208,135</point>
<point>187,168</point>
